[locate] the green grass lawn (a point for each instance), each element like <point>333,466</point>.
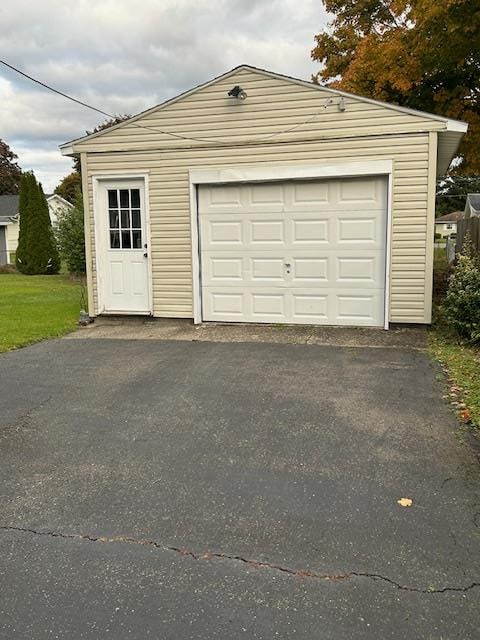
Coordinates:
<point>461,364</point>
<point>33,308</point>
<point>460,360</point>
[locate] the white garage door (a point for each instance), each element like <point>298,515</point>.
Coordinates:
<point>303,252</point>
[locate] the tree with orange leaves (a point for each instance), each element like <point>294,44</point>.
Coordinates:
<point>423,54</point>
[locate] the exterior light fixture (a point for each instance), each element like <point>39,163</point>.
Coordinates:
<point>341,105</point>
<point>237,92</point>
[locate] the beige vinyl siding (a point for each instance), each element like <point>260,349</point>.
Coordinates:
<point>275,110</point>
<point>170,208</point>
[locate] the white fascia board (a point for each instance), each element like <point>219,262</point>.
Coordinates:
<point>457,125</point>
<point>66,150</point>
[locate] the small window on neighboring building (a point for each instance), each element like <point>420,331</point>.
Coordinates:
<point>449,226</point>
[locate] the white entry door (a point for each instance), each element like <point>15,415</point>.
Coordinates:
<point>124,276</point>
<point>303,252</point>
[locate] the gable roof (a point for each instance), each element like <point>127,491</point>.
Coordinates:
<point>455,216</point>
<point>55,196</point>
<point>9,207</point>
<point>451,125</point>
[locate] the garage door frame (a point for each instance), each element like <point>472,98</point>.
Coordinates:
<point>280,173</point>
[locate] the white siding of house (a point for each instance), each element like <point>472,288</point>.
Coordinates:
<point>12,237</point>
<point>443,228</point>
<point>56,207</point>
<point>363,132</point>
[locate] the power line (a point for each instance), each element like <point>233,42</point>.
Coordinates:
<point>80,102</point>
<point>328,101</point>
<point>60,93</point>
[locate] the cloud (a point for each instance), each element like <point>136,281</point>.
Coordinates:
<point>123,58</point>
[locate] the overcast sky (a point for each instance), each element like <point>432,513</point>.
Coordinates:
<point>123,56</point>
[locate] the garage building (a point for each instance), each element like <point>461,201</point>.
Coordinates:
<point>257,197</point>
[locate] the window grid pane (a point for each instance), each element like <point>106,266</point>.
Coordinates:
<point>125,220</point>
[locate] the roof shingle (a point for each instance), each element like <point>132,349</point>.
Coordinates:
<point>8,207</point>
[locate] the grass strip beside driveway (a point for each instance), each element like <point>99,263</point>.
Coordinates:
<point>33,308</point>
<point>461,364</point>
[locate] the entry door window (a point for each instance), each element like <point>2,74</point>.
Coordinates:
<point>125,222</point>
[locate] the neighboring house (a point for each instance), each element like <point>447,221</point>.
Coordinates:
<point>257,197</point>
<point>8,228</point>
<point>472,205</point>
<point>9,222</point>
<point>447,225</point>
<point>56,206</point>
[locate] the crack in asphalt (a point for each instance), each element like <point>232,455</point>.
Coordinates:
<point>259,564</point>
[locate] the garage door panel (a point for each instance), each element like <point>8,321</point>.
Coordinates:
<point>310,231</point>
<point>310,307</point>
<point>225,269</point>
<point>309,196</point>
<point>306,231</point>
<point>309,269</point>
<point>268,305</point>
<point>266,269</point>
<point>350,269</point>
<point>266,231</point>
<point>358,306</point>
<point>363,271</point>
<point>226,303</point>
<point>359,229</point>
<point>361,190</point>
<point>220,198</point>
<point>222,232</point>
<point>261,195</point>
<point>309,193</point>
<point>310,252</point>
<point>347,308</point>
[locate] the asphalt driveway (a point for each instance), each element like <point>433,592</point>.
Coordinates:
<point>198,490</point>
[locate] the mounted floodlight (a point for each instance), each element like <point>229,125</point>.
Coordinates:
<point>237,92</point>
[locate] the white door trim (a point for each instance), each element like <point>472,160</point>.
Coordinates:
<point>228,175</point>
<point>100,266</point>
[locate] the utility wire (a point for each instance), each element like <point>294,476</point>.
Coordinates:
<point>328,101</point>
<point>60,93</point>
<point>80,102</point>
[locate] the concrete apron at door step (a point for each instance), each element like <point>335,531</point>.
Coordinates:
<point>135,328</point>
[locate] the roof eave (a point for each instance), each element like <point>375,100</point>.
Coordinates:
<point>67,149</point>
<point>457,125</point>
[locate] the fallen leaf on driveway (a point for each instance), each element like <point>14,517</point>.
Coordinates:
<point>405,502</point>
